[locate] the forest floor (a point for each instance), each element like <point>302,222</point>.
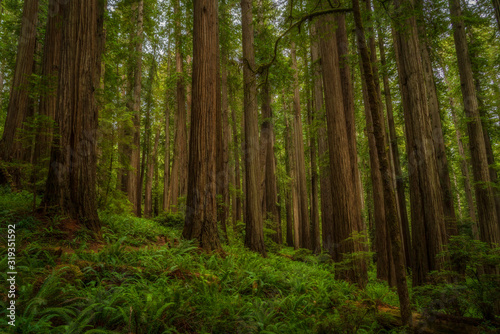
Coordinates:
<point>141,277</point>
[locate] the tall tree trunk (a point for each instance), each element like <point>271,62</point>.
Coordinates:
<point>221,141</point>
<point>400,186</point>
<point>425,193</point>
<point>201,206</point>
<point>19,101</point>
<point>437,131</point>
<point>179,167</point>
<point>166,166</point>
<point>464,167</point>
<point>133,176</point>
<point>270,190</point>
<point>324,166</point>
<point>486,124</point>
<point>389,194</point>
<point>148,198</point>
<point>382,237</point>
<point>254,236</point>
<point>487,215</point>
<point>50,65</point>
<point>293,212</point>
<point>72,190</point>
<point>237,181</point>
<point>346,214</point>
<point>316,233</point>
<point>304,228</point>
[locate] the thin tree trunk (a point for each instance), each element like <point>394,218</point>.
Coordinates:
<point>133,176</point>
<point>288,193</point>
<point>237,196</point>
<point>179,167</point>
<point>487,215</point>
<point>166,166</point>
<point>389,194</point>
<point>201,206</point>
<point>304,228</point>
<point>400,186</point>
<point>148,200</point>
<point>254,236</point>
<point>315,235</point>
<point>293,229</point>
<point>270,190</point>
<point>221,143</point>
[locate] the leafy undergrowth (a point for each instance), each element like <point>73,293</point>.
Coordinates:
<point>143,278</point>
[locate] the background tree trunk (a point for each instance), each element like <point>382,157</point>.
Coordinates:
<point>19,101</point>
<point>488,220</point>
<point>304,228</point>
<point>400,186</point>
<point>254,236</point>
<point>179,167</point>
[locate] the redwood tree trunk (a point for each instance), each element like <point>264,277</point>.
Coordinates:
<point>19,101</point>
<point>485,200</point>
<point>389,195</point>
<point>237,177</point>
<point>304,228</point>
<point>72,176</point>
<point>425,192</point>
<point>324,165</point>
<point>201,206</point>
<point>50,65</point>
<point>254,236</point>
<point>400,186</point>
<point>346,214</point>
<point>179,167</point>
<point>437,131</point>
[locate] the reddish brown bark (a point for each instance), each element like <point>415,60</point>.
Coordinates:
<point>201,206</point>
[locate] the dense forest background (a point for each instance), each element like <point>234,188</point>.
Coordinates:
<point>305,165</point>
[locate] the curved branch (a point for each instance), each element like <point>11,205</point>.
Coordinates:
<point>305,18</point>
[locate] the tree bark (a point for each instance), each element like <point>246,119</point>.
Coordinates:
<point>72,176</point>
<point>254,236</point>
<point>201,206</point>
<point>166,166</point>
<point>388,190</point>
<point>222,182</point>
<point>315,235</point>
<point>19,101</point>
<point>179,167</point>
<point>437,131</point>
<point>237,181</point>
<point>487,215</point>
<point>304,228</point>
<point>400,186</point>
<point>50,70</point>
<point>425,193</point>
<point>346,215</point>
<point>325,179</point>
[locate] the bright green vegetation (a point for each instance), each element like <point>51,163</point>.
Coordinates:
<point>138,283</point>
